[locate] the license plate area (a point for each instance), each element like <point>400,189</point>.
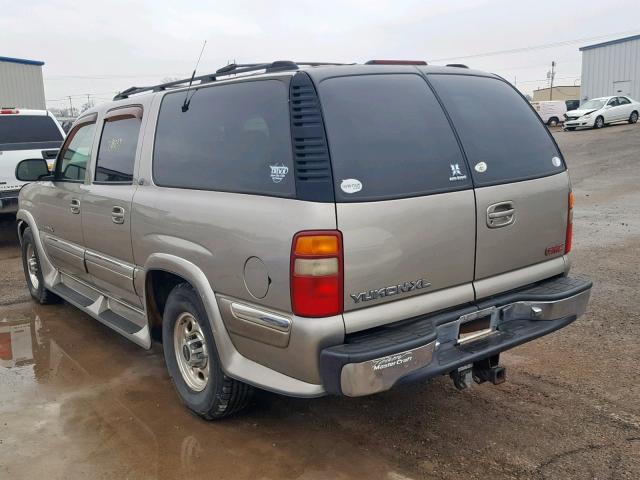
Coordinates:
<point>477,325</point>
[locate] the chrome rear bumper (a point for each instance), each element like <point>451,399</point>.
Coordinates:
<point>422,348</point>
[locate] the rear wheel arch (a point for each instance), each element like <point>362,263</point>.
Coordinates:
<point>158,285</point>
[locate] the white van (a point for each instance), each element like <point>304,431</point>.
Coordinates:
<point>551,111</point>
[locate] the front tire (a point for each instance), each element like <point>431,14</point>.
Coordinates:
<point>192,358</point>
<point>553,122</point>
<point>599,123</point>
<point>633,118</point>
<point>33,272</point>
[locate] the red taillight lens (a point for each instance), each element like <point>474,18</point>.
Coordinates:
<point>9,111</point>
<point>316,273</point>
<point>569,237</point>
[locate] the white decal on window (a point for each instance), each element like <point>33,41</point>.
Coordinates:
<point>278,172</point>
<point>556,161</point>
<point>481,167</point>
<point>456,173</point>
<point>351,185</point>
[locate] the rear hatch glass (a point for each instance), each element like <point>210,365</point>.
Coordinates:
<point>28,129</point>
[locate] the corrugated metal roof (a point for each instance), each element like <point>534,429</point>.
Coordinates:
<point>610,42</point>
<point>22,61</point>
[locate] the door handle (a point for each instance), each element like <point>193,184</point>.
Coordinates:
<point>501,214</point>
<point>74,206</point>
<point>117,215</point>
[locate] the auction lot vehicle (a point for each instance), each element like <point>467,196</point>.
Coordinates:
<point>598,112</point>
<point>551,112</point>
<point>309,229</point>
<point>24,134</point>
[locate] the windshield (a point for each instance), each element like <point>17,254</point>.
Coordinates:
<point>595,104</point>
<point>28,129</point>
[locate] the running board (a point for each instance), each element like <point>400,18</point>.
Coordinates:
<point>127,321</point>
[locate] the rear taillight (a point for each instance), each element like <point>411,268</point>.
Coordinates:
<point>316,273</point>
<point>9,111</point>
<point>569,238</point>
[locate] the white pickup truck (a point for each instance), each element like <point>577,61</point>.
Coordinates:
<point>24,134</point>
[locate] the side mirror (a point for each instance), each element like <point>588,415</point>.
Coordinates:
<point>32,169</point>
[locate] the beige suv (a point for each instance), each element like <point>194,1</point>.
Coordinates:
<point>309,229</point>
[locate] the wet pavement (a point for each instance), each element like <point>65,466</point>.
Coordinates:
<point>79,401</point>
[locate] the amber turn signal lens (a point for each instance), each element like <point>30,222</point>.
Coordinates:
<point>317,245</point>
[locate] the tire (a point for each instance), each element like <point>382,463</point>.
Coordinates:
<point>599,123</point>
<point>571,129</point>
<point>194,367</point>
<point>33,272</point>
<point>633,118</point>
<point>553,122</point>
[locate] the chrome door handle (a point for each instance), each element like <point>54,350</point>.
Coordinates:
<point>74,206</point>
<point>117,215</point>
<point>501,214</point>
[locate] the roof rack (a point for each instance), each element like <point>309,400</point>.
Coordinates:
<point>457,65</point>
<point>231,69</point>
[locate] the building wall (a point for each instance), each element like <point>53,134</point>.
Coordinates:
<point>560,92</point>
<point>21,85</point>
<point>609,63</point>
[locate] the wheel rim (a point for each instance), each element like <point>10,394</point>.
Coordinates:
<point>553,123</point>
<point>32,266</point>
<point>191,352</point>
<point>599,122</point>
<point>634,117</point>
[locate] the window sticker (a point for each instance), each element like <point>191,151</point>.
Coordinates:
<point>481,167</point>
<point>351,185</point>
<point>456,173</point>
<point>278,172</point>
<point>556,161</point>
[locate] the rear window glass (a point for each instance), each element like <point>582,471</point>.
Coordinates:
<point>28,129</point>
<point>503,138</point>
<point>233,138</point>
<point>389,138</point>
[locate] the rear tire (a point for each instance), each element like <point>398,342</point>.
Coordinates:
<point>633,118</point>
<point>599,123</point>
<point>33,272</point>
<point>192,358</point>
<point>571,129</point>
<point>553,122</point>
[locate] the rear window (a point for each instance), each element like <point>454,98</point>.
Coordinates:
<point>233,138</point>
<point>28,129</point>
<point>389,138</point>
<point>503,138</point>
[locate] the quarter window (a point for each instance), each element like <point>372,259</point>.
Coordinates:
<point>232,138</point>
<point>75,153</point>
<point>117,151</point>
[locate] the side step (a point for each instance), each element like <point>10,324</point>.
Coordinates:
<point>118,321</point>
<point>71,296</point>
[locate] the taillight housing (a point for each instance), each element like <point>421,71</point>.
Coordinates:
<point>569,236</point>
<point>317,273</point>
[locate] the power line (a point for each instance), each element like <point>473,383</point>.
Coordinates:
<point>532,47</point>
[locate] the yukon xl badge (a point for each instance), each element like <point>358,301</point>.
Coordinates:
<point>390,291</point>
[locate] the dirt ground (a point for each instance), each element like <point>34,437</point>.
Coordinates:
<point>85,403</point>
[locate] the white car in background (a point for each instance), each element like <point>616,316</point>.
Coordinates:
<point>24,134</point>
<point>551,111</point>
<point>598,112</point>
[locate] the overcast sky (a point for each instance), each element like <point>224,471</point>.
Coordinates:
<point>99,48</point>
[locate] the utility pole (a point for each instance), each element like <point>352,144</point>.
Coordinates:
<point>70,106</point>
<point>551,75</point>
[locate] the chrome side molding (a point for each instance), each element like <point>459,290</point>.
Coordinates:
<point>261,317</point>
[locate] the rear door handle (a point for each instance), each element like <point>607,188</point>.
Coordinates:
<point>74,206</point>
<point>501,214</point>
<point>117,215</point>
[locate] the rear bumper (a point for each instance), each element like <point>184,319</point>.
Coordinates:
<point>426,347</point>
<point>9,201</point>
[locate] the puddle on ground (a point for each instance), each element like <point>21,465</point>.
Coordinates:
<point>78,401</point>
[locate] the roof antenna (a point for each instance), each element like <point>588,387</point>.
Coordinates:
<point>187,100</point>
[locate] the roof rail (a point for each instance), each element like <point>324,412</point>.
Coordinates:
<point>231,69</point>
<point>457,65</point>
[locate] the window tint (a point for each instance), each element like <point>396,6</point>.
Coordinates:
<point>117,151</point>
<point>28,129</point>
<point>613,102</point>
<point>73,159</point>
<point>389,138</point>
<point>233,138</point>
<point>502,136</point>
<point>623,101</point>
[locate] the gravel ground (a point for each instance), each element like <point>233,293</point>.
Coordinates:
<point>85,403</point>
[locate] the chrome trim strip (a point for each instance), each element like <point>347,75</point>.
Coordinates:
<point>266,319</point>
<point>109,263</point>
<point>67,247</point>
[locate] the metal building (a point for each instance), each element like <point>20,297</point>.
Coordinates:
<point>21,83</point>
<point>611,68</point>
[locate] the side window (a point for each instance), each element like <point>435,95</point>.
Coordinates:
<point>75,153</point>
<point>613,102</point>
<point>233,138</point>
<point>117,150</point>
<point>623,101</point>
